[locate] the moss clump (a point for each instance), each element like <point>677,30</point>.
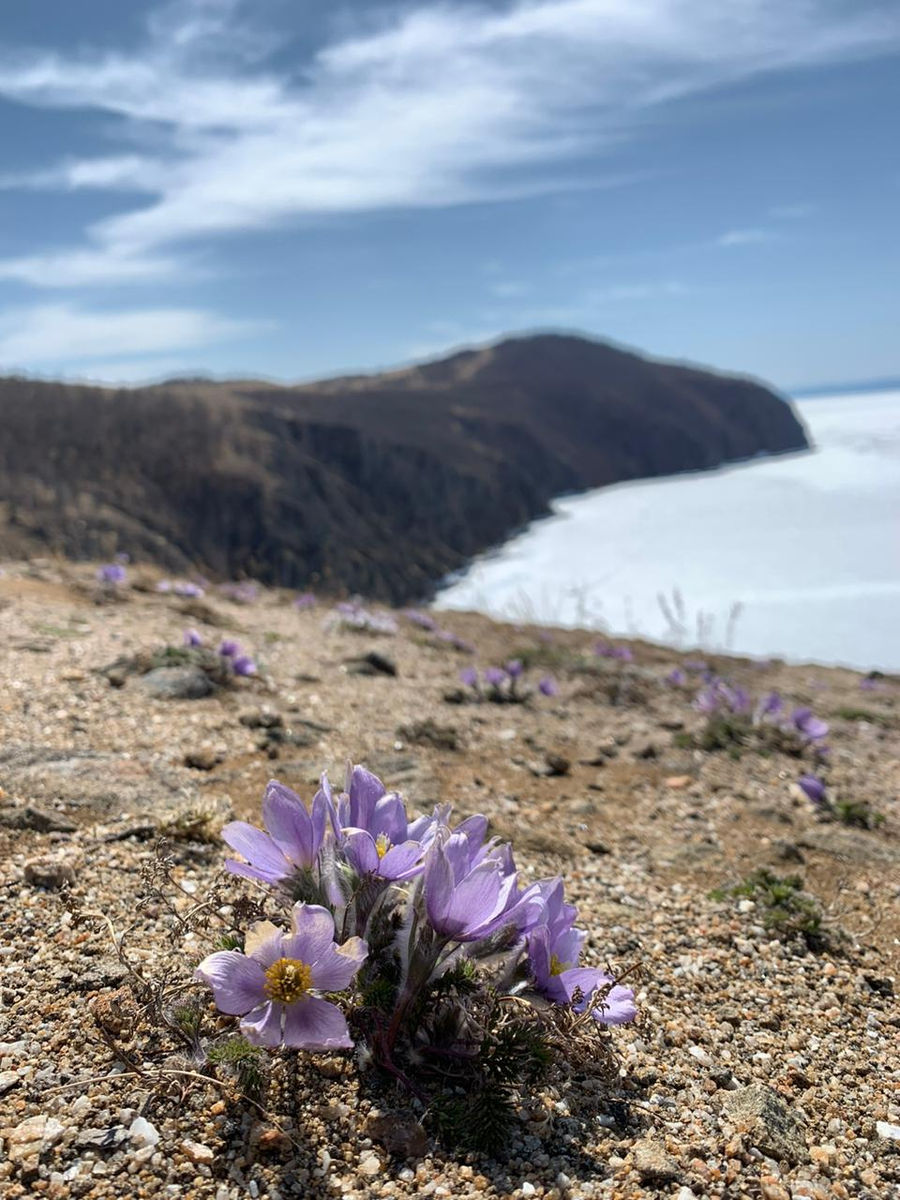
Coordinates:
<point>785,908</point>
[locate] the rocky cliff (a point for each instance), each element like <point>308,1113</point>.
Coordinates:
<point>379,484</point>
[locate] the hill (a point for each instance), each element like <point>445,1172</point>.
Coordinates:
<point>379,484</point>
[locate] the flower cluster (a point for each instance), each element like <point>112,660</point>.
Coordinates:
<point>181,587</point>
<point>427,623</point>
<point>353,615</point>
<point>504,685</point>
<point>608,650</point>
<point>396,908</point>
<point>233,657</point>
<point>112,574</point>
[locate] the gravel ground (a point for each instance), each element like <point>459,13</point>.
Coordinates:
<point>765,1061</point>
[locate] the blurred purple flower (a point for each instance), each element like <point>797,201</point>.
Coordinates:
<point>243,664</point>
<point>191,590</point>
<point>469,676</point>
<point>292,839</point>
<point>514,668</point>
<point>192,638</point>
<point>696,666</point>
<point>769,705</point>
<point>676,677</point>
<point>421,619</point>
<point>547,686</point>
<point>112,573</point>
<point>305,600</point>
<point>229,648</point>
<point>272,986</point>
<point>807,725</point>
<point>495,676</point>
<point>814,789</point>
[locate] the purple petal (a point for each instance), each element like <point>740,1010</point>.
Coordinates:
<point>402,862</point>
<point>262,1027</point>
<point>617,1008</point>
<point>359,846</point>
<point>439,884</point>
<point>273,878</point>
<point>237,981</point>
<point>289,824</point>
<point>312,932</point>
<point>257,847</point>
<point>314,1024</point>
<point>335,970</point>
<point>389,818</point>
<point>364,790</point>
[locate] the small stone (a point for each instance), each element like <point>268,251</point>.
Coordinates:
<point>8,1079</point>
<point>890,1133</point>
<point>49,873</point>
<point>771,1189</point>
<point>528,1189</point>
<point>369,1164</point>
<point>262,718</point>
<point>37,819</point>
<point>761,1113</point>
<point>30,1138</point>
<point>652,1162</point>
<point>177,683</point>
<point>142,1133</point>
<point>401,1136</point>
<point>203,759</point>
<point>679,781</point>
<point>101,1139</point>
<point>197,1152</point>
<point>557,764</point>
<point>274,1141</point>
<point>372,663</point>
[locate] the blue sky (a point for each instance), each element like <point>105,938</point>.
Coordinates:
<point>291,188</point>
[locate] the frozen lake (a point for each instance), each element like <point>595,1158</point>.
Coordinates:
<point>808,545</point>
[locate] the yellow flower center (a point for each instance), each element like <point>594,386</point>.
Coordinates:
<point>557,967</point>
<point>287,980</point>
<point>382,845</point>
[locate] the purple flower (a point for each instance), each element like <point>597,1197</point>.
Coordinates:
<point>192,590</point>
<point>547,686</point>
<point>273,986</point>
<point>769,706</point>
<point>291,842</point>
<point>305,600</point>
<point>243,664</point>
<point>421,619</point>
<point>164,585</point>
<point>514,668</point>
<point>696,666</point>
<point>495,676</point>
<point>676,677</point>
<point>229,648</point>
<point>192,638</point>
<point>469,676</point>
<point>813,788</point>
<point>554,948</point>
<point>454,640</point>
<point>807,725</point>
<point>868,684</point>
<point>471,890</point>
<point>112,573</point>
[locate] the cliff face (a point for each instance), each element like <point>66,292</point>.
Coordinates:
<point>379,484</point>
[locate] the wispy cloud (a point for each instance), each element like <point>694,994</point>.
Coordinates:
<point>745,237</point>
<point>437,105</point>
<point>64,334</point>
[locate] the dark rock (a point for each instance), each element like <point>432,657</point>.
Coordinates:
<point>373,663</point>
<point>788,852</point>
<point>177,683</point>
<point>428,732</point>
<point>36,819</point>
<point>557,764</point>
<point>401,1136</point>
<point>49,873</point>
<point>204,759</point>
<point>770,1125</point>
<point>882,985</point>
<point>598,847</point>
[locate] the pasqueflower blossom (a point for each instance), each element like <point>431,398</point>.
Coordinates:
<point>229,648</point>
<point>469,676</point>
<point>547,686</point>
<point>113,573</point>
<point>807,725</point>
<point>514,668</point>
<point>243,664</point>
<point>813,788</point>
<point>192,637</point>
<point>495,676</point>
<point>472,890</point>
<point>554,948</point>
<point>273,985</point>
<point>290,843</point>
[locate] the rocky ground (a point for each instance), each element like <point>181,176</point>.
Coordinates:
<point>765,1061</point>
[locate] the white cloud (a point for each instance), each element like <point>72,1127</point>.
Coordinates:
<point>791,212</point>
<point>745,237</point>
<point>440,104</point>
<point>63,334</point>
